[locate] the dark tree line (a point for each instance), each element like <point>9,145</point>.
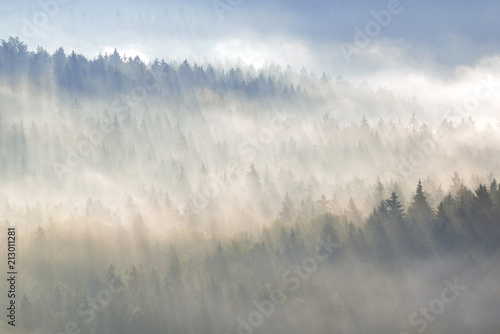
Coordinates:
<point>179,269</point>
<point>189,281</point>
<point>112,74</point>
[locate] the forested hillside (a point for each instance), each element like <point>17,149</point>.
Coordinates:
<point>322,272</point>
<point>177,197</point>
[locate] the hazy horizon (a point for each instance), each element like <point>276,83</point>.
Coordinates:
<point>236,166</point>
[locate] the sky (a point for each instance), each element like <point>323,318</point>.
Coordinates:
<point>425,42</point>
<point>176,152</point>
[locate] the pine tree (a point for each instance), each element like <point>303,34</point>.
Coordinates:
<point>482,201</point>
<point>484,223</point>
<point>292,249</point>
<point>253,178</point>
<point>323,205</point>
<point>287,213</point>
<point>457,183</point>
<point>174,274</point>
<point>352,212</point>
<point>420,212</point>
<point>441,232</point>
<point>394,207</point>
<point>364,124</point>
<point>328,233</point>
<point>379,191</point>
<point>494,191</point>
<point>414,124</point>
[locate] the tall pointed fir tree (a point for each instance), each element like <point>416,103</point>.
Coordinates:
<point>420,212</point>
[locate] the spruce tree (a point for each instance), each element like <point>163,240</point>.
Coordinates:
<point>394,207</point>
<point>420,212</point>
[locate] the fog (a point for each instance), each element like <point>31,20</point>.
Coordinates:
<point>175,168</point>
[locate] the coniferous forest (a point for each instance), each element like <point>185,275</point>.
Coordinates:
<point>150,193</point>
<point>176,197</point>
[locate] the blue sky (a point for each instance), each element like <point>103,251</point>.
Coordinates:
<point>433,36</point>
<point>438,52</point>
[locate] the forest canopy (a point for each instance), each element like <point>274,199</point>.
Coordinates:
<point>182,197</point>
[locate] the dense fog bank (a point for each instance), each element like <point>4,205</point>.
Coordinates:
<point>219,197</point>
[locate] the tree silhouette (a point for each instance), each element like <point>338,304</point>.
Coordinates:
<point>420,212</point>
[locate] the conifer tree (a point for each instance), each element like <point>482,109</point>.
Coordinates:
<point>420,212</point>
